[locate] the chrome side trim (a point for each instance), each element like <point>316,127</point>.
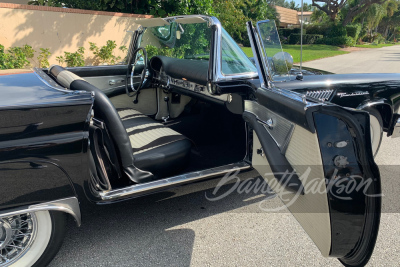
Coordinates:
<point>50,83</point>
<point>396,128</point>
<point>68,205</point>
<point>321,95</point>
<point>146,188</point>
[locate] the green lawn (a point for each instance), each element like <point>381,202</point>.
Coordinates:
<point>374,45</point>
<point>310,52</point>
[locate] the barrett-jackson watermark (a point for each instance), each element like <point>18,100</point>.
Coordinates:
<point>338,187</point>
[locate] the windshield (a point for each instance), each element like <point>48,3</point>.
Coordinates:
<point>277,61</point>
<point>234,60</point>
<point>177,40</point>
<point>183,39</point>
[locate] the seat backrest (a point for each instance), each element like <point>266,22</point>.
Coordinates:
<point>104,110</point>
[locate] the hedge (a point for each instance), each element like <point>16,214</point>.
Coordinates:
<point>336,41</point>
<point>287,32</point>
<point>336,31</point>
<point>329,30</point>
<point>353,30</point>
<point>317,29</point>
<point>294,38</point>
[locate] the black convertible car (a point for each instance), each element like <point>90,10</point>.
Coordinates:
<point>186,106</point>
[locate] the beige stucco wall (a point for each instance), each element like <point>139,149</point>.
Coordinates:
<point>61,31</point>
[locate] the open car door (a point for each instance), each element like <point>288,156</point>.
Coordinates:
<point>318,159</point>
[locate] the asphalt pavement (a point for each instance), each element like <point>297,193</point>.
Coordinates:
<point>182,228</point>
<point>374,60</point>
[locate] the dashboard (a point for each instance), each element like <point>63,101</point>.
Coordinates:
<point>186,76</point>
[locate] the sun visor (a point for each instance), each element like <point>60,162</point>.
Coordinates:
<point>152,22</point>
<point>190,20</point>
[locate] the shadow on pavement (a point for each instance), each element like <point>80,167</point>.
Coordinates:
<point>137,232</point>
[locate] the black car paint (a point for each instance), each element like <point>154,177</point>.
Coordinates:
<point>349,223</point>
<point>381,91</point>
<point>43,141</point>
<point>45,132</point>
<point>345,218</point>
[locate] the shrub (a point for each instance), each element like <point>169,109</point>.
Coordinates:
<point>316,29</point>
<point>43,58</point>
<point>336,31</point>
<point>105,54</point>
<point>353,30</point>
<point>75,59</point>
<point>287,32</point>
<point>294,38</point>
<point>337,41</point>
<point>379,39</point>
<point>3,58</point>
<point>16,58</point>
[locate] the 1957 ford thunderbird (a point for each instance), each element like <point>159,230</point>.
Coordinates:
<point>189,105</point>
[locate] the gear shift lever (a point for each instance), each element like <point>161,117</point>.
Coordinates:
<point>166,99</point>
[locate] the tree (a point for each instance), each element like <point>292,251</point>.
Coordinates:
<point>157,8</point>
<point>293,5</point>
<point>235,13</point>
<point>359,7</point>
<point>43,3</point>
<point>392,19</point>
<point>330,7</point>
<point>281,3</point>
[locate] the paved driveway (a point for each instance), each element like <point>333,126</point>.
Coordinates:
<point>376,60</point>
<point>182,228</point>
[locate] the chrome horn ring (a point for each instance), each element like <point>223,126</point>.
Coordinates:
<point>17,234</point>
<point>144,74</point>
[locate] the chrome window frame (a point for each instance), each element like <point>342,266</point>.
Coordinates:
<point>269,67</point>
<point>218,75</point>
<point>216,56</point>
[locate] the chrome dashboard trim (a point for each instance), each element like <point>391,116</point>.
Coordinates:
<point>193,87</point>
<point>158,185</point>
<point>68,205</point>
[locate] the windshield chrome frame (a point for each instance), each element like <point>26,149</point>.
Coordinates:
<point>269,67</point>
<point>215,55</point>
<point>218,75</point>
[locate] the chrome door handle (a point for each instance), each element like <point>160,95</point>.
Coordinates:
<point>111,82</point>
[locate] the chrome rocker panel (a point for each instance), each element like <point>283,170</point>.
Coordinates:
<point>163,184</point>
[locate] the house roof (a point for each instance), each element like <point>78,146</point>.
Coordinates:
<point>287,15</point>
<point>305,13</point>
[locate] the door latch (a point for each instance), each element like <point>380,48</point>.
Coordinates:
<point>113,82</point>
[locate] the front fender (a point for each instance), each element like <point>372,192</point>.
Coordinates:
<point>384,107</point>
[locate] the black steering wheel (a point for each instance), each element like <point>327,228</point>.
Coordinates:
<point>144,74</point>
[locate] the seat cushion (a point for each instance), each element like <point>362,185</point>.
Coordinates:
<point>156,148</point>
